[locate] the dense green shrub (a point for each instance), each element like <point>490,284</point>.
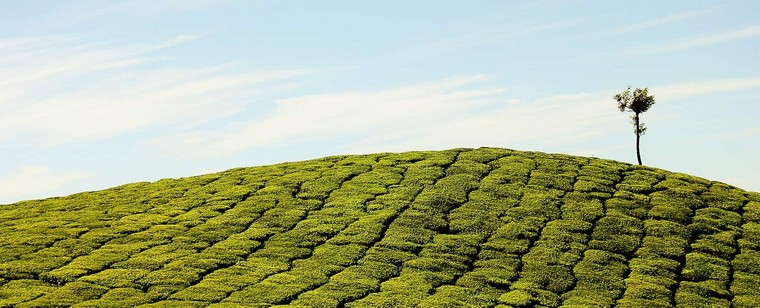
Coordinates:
<point>18,291</point>
<point>581,207</point>
<point>674,206</point>
<point>459,228</point>
<point>117,298</point>
<point>617,233</point>
<point>69,294</point>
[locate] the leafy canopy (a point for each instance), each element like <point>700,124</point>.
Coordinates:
<point>636,101</point>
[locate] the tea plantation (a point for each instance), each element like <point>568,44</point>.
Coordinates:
<point>459,228</point>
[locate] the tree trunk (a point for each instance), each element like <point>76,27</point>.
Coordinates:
<point>638,136</point>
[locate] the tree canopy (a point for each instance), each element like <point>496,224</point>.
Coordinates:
<point>636,101</point>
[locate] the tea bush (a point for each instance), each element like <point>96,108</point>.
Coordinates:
<point>457,228</point>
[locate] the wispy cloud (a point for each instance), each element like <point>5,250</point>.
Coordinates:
<point>687,89</point>
<point>31,180</point>
<point>537,124</point>
<point>576,123</point>
<point>341,115</point>
<point>440,114</point>
<point>475,39</point>
<point>89,11</point>
<point>29,63</point>
<point>660,21</point>
<point>63,90</point>
<point>478,39</point>
<point>684,44</point>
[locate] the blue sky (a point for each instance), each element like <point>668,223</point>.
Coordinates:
<point>95,94</point>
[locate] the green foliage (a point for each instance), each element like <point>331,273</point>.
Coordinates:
<point>117,297</point>
<point>628,203</point>
<point>617,233</point>
<point>459,228</point>
<point>69,294</point>
<point>636,102</point>
<point>117,278</point>
<point>752,211</point>
<point>22,290</point>
<point>581,207</point>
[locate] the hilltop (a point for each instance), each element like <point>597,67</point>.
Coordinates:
<point>465,227</point>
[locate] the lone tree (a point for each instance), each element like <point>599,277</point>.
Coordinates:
<point>637,102</point>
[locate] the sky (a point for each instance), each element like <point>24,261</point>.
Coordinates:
<point>95,94</point>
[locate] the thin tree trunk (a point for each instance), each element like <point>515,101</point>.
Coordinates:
<point>638,136</point>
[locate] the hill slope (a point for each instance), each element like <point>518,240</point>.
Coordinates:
<point>480,228</point>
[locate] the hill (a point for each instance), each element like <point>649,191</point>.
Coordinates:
<point>478,228</point>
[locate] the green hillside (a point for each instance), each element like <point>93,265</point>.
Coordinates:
<point>458,228</point>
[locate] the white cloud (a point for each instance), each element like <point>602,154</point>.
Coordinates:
<point>476,39</point>
<point>344,115</point>
<point>555,119</point>
<point>63,91</point>
<point>468,40</point>
<point>442,114</point>
<point>31,63</point>
<point>31,180</point>
<point>661,21</point>
<point>88,11</point>
<point>663,47</point>
<point>687,89</point>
